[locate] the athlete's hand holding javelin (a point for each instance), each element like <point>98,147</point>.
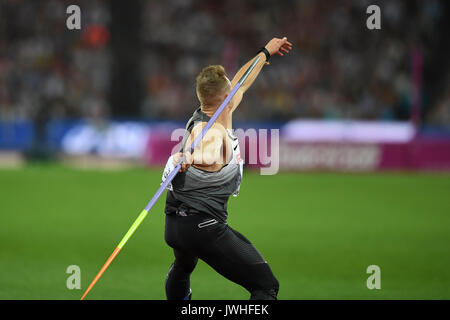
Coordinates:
<point>187,161</point>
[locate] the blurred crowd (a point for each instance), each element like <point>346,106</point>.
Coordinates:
<point>47,71</point>
<point>338,69</point>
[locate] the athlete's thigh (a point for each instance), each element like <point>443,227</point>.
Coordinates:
<point>237,259</point>
<point>185,260</point>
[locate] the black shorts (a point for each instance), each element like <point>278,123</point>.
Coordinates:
<point>227,251</point>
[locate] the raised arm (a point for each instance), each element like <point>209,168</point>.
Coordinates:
<point>274,46</point>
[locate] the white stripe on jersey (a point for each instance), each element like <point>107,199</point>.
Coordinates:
<point>237,160</point>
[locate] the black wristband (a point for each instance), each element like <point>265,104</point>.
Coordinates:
<point>266,52</point>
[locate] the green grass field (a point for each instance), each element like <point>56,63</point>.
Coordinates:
<point>318,231</point>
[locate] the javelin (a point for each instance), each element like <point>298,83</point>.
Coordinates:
<point>170,177</point>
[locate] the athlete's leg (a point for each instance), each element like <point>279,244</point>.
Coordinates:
<point>178,277</point>
<point>234,257</point>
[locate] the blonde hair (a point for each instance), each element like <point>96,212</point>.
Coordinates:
<point>212,83</point>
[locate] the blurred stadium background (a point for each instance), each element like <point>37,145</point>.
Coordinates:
<point>364,119</point>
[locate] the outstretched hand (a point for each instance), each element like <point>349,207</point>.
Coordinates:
<point>279,46</point>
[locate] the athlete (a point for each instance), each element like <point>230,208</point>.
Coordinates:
<point>196,202</point>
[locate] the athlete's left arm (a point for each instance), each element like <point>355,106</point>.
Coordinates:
<point>274,46</point>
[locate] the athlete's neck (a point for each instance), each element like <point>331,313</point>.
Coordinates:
<point>224,119</point>
<point>208,110</point>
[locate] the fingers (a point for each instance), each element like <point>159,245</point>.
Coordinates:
<point>186,161</point>
<point>279,46</point>
<point>287,46</point>
<point>284,46</point>
<point>285,41</point>
<point>184,167</point>
<point>285,50</point>
<point>176,158</point>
